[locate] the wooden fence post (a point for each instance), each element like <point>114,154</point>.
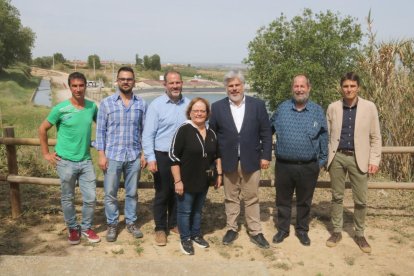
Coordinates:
<point>13,169</point>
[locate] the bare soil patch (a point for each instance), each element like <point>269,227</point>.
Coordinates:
<point>390,227</point>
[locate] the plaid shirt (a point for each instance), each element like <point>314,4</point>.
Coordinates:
<point>119,128</point>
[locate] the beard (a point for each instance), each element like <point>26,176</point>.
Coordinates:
<point>301,100</point>
<point>125,91</point>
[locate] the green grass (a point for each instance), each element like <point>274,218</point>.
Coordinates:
<point>16,89</point>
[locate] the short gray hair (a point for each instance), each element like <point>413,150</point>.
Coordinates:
<point>233,74</point>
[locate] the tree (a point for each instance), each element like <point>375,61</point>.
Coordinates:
<point>94,61</point>
<point>43,62</point>
<point>155,62</point>
<point>138,61</point>
<point>147,62</point>
<point>59,58</point>
<point>16,41</point>
<point>324,46</point>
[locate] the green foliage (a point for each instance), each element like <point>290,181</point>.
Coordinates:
<point>138,61</point>
<point>147,62</point>
<point>43,62</point>
<point>59,58</point>
<point>16,89</point>
<point>155,62</point>
<point>323,46</point>
<point>16,41</point>
<point>94,61</point>
<point>152,63</point>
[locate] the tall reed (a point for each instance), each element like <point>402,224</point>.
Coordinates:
<point>387,70</point>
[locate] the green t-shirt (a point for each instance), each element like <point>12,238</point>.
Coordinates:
<point>73,129</point>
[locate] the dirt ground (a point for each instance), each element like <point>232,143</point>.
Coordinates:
<point>390,227</point>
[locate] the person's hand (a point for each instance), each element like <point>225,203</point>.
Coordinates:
<point>52,158</point>
<point>372,169</point>
<point>152,166</point>
<point>103,162</point>
<point>179,187</point>
<point>143,161</point>
<point>264,164</point>
<point>219,182</point>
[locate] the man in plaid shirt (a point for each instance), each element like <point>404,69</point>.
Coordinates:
<point>118,140</point>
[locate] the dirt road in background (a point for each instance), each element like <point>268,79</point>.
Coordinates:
<point>58,80</point>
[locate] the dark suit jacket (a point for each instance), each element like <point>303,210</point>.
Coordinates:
<point>255,137</point>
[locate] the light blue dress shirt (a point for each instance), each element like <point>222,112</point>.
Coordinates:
<point>163,118</point>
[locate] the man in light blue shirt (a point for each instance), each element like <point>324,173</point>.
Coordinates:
<point>165,114</point>
<point>118,141</point>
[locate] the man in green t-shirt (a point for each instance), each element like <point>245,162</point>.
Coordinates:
<point>73,120</point>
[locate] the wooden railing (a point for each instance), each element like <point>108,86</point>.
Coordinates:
<point>14,180</point>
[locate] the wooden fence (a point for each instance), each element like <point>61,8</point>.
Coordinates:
<point>14,180</point>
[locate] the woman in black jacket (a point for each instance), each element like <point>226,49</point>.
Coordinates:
<point>194,150</point>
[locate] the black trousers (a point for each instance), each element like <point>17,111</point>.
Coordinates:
<point>165,205</point>
<point>299,178</point>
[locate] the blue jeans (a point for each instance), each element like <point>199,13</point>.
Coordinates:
<point>189,208</point>
<point>131,171</point>
<point>82,171</point>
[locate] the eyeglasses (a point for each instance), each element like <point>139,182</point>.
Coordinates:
<point>199,111</point>
<point>125,79</point>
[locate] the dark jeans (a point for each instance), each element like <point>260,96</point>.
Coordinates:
<point>165,206</point>
<point>189,208</point>
<point>290,178</point>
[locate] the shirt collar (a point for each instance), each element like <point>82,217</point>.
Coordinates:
<point>168,100</point>
<point>294,106</point>
<point>345,106</point>
<point>194,125</point>
<point>117,96</point>
<point>242,102</point>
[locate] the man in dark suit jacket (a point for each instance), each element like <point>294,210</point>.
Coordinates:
<point>245,141</point>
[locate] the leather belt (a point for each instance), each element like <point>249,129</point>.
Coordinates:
<point>295,162</point>
<point>347,152</point>
<point>161,152</point>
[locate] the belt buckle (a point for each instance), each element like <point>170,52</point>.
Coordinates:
<point>347,152</point>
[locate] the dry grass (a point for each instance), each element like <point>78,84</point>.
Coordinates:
<point>388,80</point>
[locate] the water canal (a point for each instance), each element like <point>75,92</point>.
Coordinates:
<point>43,94</point>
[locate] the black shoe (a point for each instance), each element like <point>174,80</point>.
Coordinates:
<point>134,230</point>
<point>187,247</point>
<point>280,236</point>
<point>200,242</point>
<point>303,238</point>
<point>259,240</point>
<point>111,234</point>
<point>230,237</point>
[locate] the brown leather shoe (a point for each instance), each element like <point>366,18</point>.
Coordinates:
<point>160,238</point>
<point>363,244</point>
<point>334,239</point>
<point>175,231</point>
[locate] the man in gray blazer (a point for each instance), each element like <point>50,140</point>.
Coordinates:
<point>354,148</point>
<point>244,136</point>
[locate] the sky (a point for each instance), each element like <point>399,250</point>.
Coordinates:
<point>185,31</point>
